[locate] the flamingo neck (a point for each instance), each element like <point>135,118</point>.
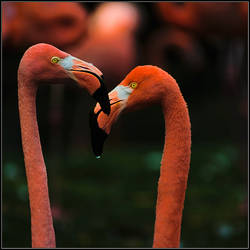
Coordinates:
<point>42,230</point>
<point>173,173</point>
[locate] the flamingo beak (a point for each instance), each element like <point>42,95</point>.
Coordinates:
<point>82,72</point>
<point>100,123</point>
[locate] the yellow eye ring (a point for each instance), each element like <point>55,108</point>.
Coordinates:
<point>133,85</point>
<point>55,59</point>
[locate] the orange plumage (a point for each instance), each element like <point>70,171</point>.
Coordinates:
<point>153,85</point>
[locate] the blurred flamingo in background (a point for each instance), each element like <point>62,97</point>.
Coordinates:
<point>174,48</point>
<point>43,63</point>
<point>110,39</point>
<point>58,23</point>
<point>206,18</point>
<point>221,25</point>
<point>143,86</point>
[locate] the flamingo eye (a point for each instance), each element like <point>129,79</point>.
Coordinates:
<point>55,59</point>
<point>133,85</point>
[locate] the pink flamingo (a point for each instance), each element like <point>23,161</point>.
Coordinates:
<point>143,86</point>
<point>227,19</point>
<point>43,63</point>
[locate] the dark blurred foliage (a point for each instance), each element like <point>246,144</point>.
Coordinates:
<point>111,202</point>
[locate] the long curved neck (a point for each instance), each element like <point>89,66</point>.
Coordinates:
<point>43,235</point>
<point>174,172</point>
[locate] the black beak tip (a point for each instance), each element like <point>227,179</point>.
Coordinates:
<point>98,136</point>
<point>101,96</point>
<point>104,103</point>
<point>106,108</point>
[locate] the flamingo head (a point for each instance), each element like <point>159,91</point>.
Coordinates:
<point>45,63</point>
<point>142,86</point>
